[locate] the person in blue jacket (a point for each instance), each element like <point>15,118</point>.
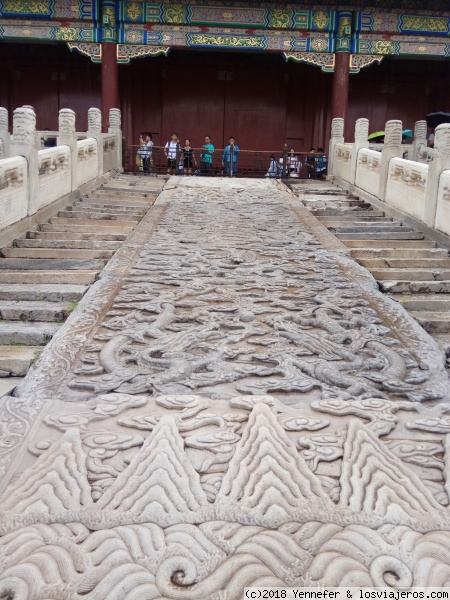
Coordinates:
<point>230,156</point>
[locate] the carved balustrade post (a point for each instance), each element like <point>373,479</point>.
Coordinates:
<point>95,131</point>
<point>24,132</point>
<point>115,127</point>
<point>392,148</point>
<point>361,141</point>
<point>67,137</point>
<point>420,138</point>
<point>337,137</point>
<point>440,162</point>
<point>5,143</point>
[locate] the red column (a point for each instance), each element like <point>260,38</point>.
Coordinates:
<point>110,81</point>
<point>339,101</point>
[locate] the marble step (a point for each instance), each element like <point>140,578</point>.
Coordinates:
<point>381,235</point>
<point>352,218</point>
<point>101,208</point>
<point>86,214</point>
<point>71,227</point>
<point>351,214</point>
<point>126,192</point>
<point>82,277</point>
<point>114,200</point>
<point>73,220</point>
<point>73,235</point>
<point>415,287</point>
<point>92,205</point>
<point>443,341</point>
<point>405,263</point>
<point>30,334</point>
<point>388,253</point>
<point>48,264</point>
<point>8,385</point>
<point>56,253</point>
<point>50,292</point>
<point>103,245</point>
<point>413,274</point>
<point>433,322</point>
<point>16,360</point>
<point>373,229</point>
<point>388,244</point>
<point>423,302</point>
<point>22,310</point>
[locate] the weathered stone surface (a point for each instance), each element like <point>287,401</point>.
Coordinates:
<point>56,253</point>
<point>17,359</point>
<point>80,277</point>
<point>30,334</point>
<point>48,291</point>
<point>93,244</point>
<point>76,235</point>
<point>47,264</point>
<point>33,310</point>
<point>232,403</point>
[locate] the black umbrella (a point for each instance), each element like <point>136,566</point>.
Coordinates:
<point>437,118</point>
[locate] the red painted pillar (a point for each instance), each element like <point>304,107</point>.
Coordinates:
<point>339,101</point>
<point>110,81</point>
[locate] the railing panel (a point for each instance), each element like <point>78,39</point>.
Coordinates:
<point>87,168</point>
<point>368,170</point>
<point>54,174</point>
<point>406,186</point>
<point>443,204</point>
<point>109,153</point>
<point>13,190</point>
<point>342,166</point>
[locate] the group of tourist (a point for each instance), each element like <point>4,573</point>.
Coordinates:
<point>291,166</point>
<point>187,160</point>
<point>183,158</point>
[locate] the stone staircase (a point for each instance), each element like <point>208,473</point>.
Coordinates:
<point>412,270</point>
<point>46,272</point>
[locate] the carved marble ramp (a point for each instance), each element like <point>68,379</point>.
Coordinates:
<point>45,272</point>
<point>233,403</point>
<point>413,270</point>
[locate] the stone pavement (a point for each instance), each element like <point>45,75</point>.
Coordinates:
<point>232,403</point>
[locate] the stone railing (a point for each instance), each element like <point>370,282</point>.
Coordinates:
<point>32,178</point>
<point>342,160</point>
<point>419,188</point>
<point>443,204</point>
<point>54,174</point>
<point>406,186</point>
<point>368,170</point>
<point>87,160</point>
<point>109,152</point>
<point>13,190</point>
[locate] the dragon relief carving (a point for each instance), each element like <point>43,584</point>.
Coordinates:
<point>241,416</point>
<point>241,320</point>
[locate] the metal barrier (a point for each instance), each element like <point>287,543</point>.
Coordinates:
<point>245,163</point>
